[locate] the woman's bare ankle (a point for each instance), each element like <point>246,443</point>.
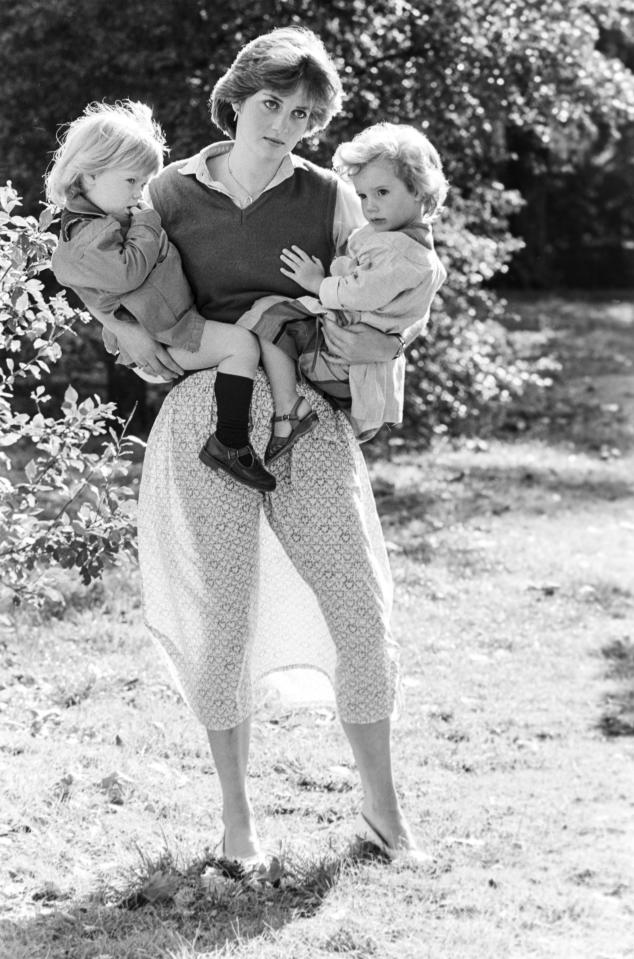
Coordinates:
<point>390,822</point>
<point>240,834</point>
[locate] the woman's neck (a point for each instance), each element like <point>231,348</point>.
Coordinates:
<point>251,172</point>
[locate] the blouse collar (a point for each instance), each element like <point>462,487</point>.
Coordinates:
<point>197,166</point>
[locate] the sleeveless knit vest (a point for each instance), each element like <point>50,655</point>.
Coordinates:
<point>232,256</point>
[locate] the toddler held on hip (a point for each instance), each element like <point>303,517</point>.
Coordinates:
<point>387,279</point>
<point>115,255</point>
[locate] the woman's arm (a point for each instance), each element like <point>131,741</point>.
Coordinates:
<point>360,343</point>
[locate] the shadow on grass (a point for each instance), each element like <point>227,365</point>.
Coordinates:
<point>175,911</point>
<point>618,714</point>
<point>591,402</point>
<point>496,489</point>
<point>568,483</point>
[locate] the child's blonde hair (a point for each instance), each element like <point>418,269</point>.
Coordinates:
<point>103,137</point>
<point>415,160</point>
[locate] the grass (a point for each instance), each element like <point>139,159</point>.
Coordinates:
<point>515,611</point>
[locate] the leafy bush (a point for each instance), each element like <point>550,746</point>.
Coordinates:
<point>465,373</point>
<point>61,502</point>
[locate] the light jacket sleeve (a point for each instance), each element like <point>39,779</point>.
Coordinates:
<point>380,275</point>
<point>118,262</point>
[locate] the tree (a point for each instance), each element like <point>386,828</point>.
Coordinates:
<point>507,89</point>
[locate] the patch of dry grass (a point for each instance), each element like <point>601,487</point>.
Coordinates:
<point>515,611</point>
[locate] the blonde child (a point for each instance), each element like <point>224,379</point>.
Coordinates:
<point>387,280</point>
<point>115,255</point>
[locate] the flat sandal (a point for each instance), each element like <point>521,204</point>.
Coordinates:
<point>280,445</point>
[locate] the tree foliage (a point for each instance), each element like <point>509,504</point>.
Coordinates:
<point>473,73</point>
<point>61,502</point>
<point>522,99</point>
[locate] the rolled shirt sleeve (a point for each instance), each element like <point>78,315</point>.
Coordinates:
<point>347,216</point>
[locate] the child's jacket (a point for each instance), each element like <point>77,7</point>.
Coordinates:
<point>386,280</point>
<point>133,265</point>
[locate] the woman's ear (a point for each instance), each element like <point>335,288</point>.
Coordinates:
<point>87,180</point>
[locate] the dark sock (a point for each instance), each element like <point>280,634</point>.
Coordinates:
<point>233,402</point>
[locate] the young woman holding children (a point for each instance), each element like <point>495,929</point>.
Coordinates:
<point>237,584</point>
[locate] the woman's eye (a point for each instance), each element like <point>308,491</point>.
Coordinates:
<point>271,104</point>
<point>300,114</point>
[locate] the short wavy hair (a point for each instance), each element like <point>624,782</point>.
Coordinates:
<point>415,160</point>
<point>122,134</point>
<point>282,60</point>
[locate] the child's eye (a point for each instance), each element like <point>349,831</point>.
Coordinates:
<point>361,196</point>
<point>131,179</point>
<point>383,192</point>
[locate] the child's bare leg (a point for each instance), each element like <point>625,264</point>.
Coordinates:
<point>236,353</point>
<point>231,348</point>
<point>280,369</point>
<point>293,414</point>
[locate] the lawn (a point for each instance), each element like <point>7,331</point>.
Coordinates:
<point>513,559</point>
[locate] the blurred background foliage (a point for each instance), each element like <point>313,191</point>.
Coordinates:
<point>530,104</point>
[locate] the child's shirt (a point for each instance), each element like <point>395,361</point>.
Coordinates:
<point>389,278</point>
<point>112,264</point>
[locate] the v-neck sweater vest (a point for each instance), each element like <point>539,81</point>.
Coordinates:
<point>231,256</point>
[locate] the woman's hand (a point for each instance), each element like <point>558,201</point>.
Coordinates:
<point>146,352</point>
<point>307,271</point>
<point>359,343</point>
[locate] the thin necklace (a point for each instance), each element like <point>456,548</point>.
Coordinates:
<point>251,197</point>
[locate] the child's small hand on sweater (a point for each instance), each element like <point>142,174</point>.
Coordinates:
<point>306,270</point>
<point>139,208</point>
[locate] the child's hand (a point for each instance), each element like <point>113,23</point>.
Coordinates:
<point>306,270</point>
<point>140,207</point>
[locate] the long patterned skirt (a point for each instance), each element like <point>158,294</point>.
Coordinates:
<point>238,584</point>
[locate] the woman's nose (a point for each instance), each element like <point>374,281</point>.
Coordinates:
<point>280,121</point>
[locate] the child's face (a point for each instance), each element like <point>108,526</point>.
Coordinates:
<point>386,202</point>
<point>115,190</point>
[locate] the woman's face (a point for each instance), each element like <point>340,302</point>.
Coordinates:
<point>271,123</point>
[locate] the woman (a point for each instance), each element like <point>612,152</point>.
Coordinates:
<point>237,583</point>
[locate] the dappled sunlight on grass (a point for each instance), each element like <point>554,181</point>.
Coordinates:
<point>515,613</point>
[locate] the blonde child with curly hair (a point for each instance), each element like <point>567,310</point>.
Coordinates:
<point>114,253</point>
<point>386,279</point>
